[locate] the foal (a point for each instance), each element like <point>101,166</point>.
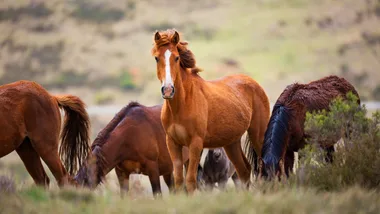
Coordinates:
<point>217,168</point>
<point>206,114</point>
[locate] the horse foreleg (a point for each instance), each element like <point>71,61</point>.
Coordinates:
<point>195,149</point>
<point>168,178</point>
<point>154,178</point>
<point>123,178</point>
<point>175,152</point>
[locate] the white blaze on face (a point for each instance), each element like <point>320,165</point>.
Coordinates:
<point>168,77</point>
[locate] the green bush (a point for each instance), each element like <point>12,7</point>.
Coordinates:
<point>356,161</point>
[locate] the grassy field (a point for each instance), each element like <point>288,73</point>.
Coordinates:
<point>34,200</point>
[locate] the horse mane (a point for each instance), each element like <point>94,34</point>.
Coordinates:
<point>103,135</point>
<point>187,59</point>
<point>274,135</point>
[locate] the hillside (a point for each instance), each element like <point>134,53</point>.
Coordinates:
<point>100,50</point>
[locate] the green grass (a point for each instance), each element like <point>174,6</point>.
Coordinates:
<point>36,200</point>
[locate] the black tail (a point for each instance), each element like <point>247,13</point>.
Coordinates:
<point>274,139</point>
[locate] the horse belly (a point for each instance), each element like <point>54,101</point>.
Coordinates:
<point>131,166</point>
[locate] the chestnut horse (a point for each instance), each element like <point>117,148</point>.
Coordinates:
<point>206,114</point>
<point>31,124</point>
<point>285,133</point>
<point>132,142</point>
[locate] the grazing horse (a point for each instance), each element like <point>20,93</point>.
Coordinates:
<point>217,168</point>
<point>207,114</point>
<point>132,142</point>
<point>31,124</point>
<point>285,133</point>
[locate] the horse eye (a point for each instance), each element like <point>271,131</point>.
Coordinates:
<point>156,58</point>
<point>176,58</point>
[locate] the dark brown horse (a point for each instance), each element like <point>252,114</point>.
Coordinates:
<point>31,125</point>
<point>207,114</point>
<point>133,142</point>
<point>285,133</point>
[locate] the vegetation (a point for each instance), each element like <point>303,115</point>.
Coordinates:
<point>356,161</point>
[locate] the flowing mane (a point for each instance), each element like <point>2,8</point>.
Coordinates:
<point>103,135</point>
<point>187,59</point>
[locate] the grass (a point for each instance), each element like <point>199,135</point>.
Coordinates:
<point>353,200</point>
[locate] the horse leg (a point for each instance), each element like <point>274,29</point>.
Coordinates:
<point>223,182</point>
<point>329,154</point>
<point>175,152</point>
<point>51,158</point>
<point>289,162</point>
<point>234,153</point>
<point>256,132</point>
<point>168,178</point>
<point>195,149</point>
<point>123,178</point>
<point>235,179</point>
<point>32,162</point>
<point>154,177</point>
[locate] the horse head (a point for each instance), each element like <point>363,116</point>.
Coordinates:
<point>171,56</point>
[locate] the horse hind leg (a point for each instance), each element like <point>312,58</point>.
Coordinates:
<point>235,154</point>
<point>32,162</point>
<point>49,154</point>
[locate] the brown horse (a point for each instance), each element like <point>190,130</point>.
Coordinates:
<point>285,133</point>
<point>31,124</point>
<point>133,142</point>
<point>206,114</point>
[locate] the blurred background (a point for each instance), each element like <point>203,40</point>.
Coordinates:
<point>100,50</point>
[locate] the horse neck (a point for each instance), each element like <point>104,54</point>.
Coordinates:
<point>183,89</point>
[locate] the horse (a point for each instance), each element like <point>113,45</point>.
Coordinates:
<point>217,169</point>
<point>207,114</point>
<point>132,142</point>
<point>31,125</point>
<point>285,133</point>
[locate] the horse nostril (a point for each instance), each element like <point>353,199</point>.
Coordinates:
<point>162,89</point>
<point>172,90</point>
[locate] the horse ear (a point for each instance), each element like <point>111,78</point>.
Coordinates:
<point>157,36</point>
<point>175,38</point>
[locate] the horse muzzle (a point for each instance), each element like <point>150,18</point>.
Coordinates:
<point>167,92</point>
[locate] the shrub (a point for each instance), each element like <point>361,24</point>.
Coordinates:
<point>356,162</point>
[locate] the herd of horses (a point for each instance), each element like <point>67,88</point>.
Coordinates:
<point>167,140</point>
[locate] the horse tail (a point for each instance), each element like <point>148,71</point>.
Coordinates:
<point>75,137</point>
<point>251,154</point>
<point>274,138</point>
